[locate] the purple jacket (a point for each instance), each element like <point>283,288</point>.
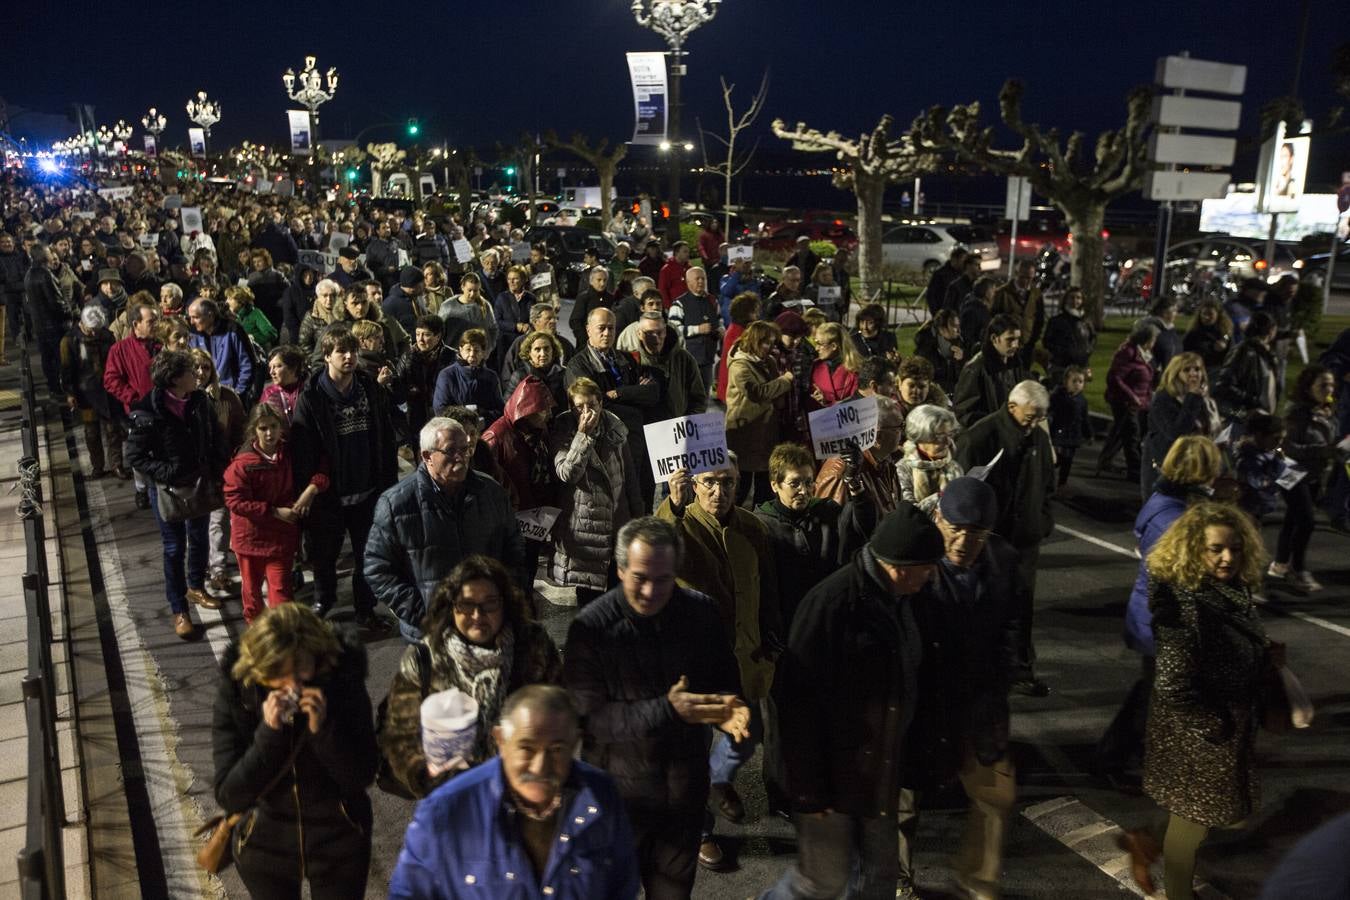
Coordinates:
<point>1130,378</point>
<point>1163,507</point>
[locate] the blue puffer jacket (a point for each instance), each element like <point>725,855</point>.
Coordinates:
<point>1163,507</point>
<point>229,346</point>
<point>461,844</point>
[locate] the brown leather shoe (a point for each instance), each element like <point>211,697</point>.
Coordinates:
<point>726,803</point>
<point>1144,852</point>
<point>202,599</point>
<point>710,856</point>
<point>183,627</point>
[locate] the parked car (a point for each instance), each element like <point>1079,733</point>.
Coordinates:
<point>1235,259</point>
<point>926,247</point>
<point>564,246</point>
<point>784,236</point>
<point>1314,266</point>
<point>739,230</point>
<point>1033,235</point>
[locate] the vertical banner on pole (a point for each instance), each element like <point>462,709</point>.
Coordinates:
<point>301,131</point>
<point>197,142</point>
<point>150,148</point>
<point>651,109</point>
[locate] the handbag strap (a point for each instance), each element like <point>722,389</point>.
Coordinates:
<point>281,773</point>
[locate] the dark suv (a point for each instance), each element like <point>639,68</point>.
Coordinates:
<point>564,246</point>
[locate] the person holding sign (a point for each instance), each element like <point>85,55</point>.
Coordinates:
<point>754,384</point>
<point>600,490</point>
<point>870,468</point>
<point>518,441</point>
<point>834,377</point>
<point>825,294</point>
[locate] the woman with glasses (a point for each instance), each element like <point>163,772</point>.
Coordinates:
<point>478,637</point>
<point>600,490</point>
<point>326,310</point>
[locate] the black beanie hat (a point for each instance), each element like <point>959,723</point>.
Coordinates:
<point>907,537</point>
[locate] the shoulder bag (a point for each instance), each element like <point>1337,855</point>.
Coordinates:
<point>215,853</point>
<point>178,504</point>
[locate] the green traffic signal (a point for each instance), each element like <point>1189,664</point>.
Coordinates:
<point>510,170</point>
<point>413,128</point>
<point>351,174</point>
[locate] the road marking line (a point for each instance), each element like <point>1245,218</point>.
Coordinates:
<point>1093,837</point>
<point>1342,630</point>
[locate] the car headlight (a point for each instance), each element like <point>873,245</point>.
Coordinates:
<point>1299,263</point>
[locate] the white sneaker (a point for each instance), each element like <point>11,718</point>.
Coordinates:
<point>1304,581</point>
<point>1278,571</point>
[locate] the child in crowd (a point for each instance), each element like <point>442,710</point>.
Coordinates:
<point>265,511</point>
<point>372,358</point>
<point>1258,464</point>
<point>1070,426</point>
<point>468,381</point>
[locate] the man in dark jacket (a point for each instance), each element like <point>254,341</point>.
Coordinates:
<point>986,380</point>
<point>14,265</point>
<point>1024,479</point>
<point>419,367</point>
<point>344,419</point>
<point>651,670</point>
<point>276,239</point>
<point>939,341</point>
<point>226,341</point>
<point>297,300</point>
<point>846,693</point>
<point>47,311</point>
<point>936,293</point>
<point>696,317</point>
<point>1069,336</point>
<point>683,390</point>
<point>401,301</point>
<point>960,728</point>
<point>1021,299</point>
<point>424,525</point>
<point>382,256</point>
<point>1162,315</point>
<point>349,269</point>
<point>963,284</point>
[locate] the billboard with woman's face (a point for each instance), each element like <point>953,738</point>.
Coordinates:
<point>1284,165</point>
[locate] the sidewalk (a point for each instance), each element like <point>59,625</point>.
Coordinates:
<point>14,665</point>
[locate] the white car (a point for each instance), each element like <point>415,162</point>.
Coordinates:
<point>926,247</point>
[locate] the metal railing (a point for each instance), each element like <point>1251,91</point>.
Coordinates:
<point>42,874</point>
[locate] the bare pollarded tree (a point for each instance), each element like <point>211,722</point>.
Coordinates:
<point>1081,183</point>
<point>732,164</point>
<point>605,161</point>
<point>872,161</point>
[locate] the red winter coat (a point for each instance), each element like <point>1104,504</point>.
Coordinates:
<point>1130,378</point>
<point>254,487</point>
<point>126,374</point>
<point>510,449</point>
<point>671,282</point>
<point>837,386</point>
<point>728,341</point>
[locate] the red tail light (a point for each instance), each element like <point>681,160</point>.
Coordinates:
<point>1260,265</point>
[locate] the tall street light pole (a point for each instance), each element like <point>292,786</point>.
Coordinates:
<point>674,20</point>
<point>311,93</point>
<point>205,113</point>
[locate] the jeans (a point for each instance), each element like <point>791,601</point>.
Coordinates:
<point>727,756</point>
<point>841,855</point>
<point>181,539</point>
<point>218,537</point>
<point>324,543</point>
<point>253,570</point>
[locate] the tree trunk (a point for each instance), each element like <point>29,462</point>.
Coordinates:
<point>1085,226</point>
<point>606,170</point>
<point>870,191</point>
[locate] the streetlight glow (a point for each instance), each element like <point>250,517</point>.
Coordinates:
<point>204,112</point>
<point>154,122</point>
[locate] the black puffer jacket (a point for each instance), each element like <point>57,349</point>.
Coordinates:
<point>176,451</point>
<point>1247,381</point>
<point>620,666</point>
<point>334,767</point>
<point>985,383</point>
<point>809,545</point>
<point>298,300</point>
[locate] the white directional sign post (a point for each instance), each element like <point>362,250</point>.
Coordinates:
<point>1190,166</point>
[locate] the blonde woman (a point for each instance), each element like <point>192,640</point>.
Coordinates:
<point>834,377</point>
<point>294,747</point>
<point>1180,406</point>
<point>754,389</point>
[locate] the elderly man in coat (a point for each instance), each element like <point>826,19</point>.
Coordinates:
<point>729,557</point>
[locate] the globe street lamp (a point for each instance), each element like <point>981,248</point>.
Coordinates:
<point>122,131</point>
<point>103,138</point>
<point>154,122</point>
<point>205,113</point>
<point>674,21</point>
<point>311,93</point>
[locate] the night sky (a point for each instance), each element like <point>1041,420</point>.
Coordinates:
<point>476,76</point>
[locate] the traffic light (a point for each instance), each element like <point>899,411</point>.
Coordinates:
<point>413,128</point>
<point>510,170</point>
<point>351,174</point>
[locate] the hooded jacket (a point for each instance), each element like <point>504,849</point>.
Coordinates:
<point>519,456</point>
<point>255,487</point>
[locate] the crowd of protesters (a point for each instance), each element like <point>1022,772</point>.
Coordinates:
<point>308,373</point>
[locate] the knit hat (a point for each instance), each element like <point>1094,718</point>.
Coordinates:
<point>907,537</point>
<point>411,276</point>
<point>109,275</point>
<point>969,501</point>
<point>349,253</point>
<point>792,324</point>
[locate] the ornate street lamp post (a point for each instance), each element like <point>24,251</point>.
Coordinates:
<point>122,131</point>
<point>205,113</point>
<point>311,93</point>
<point>154,122</point>
<point>674,21</point>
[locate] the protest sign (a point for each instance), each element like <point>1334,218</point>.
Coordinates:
<point>324,262</point>
<point>835,428</point>
<point>828,295</point>
<point>191,217</point>
<point>520,251</point>
<point>697,443</point>
<point>542,280</point>
<point>172,201</point>
<point>740,252</point>
<point>463,250</point>
<point>115,193</point>
<point>537,524</point>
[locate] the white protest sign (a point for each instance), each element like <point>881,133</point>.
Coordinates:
<point>542,280</point>
<point>980,472</point>
<point>191,217</point>
<point>324,262</point>
<point>740,252</point>
<point>148,241</point>
<point>520,251</point>
<point>828,293</point>
<point>337,240</point>
<point>85,214</point>
<point>537,524</point>
<point>116,193</point>
<point>463,250</point>
<point>697,443</point>
<point>403,258</point>
<point>835,428</point>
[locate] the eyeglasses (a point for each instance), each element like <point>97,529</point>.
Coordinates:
<point>486,608</point>
<point>798,484</point>
<point>453,451</point>
<point>709,484</point>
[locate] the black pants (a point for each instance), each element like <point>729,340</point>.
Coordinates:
<point>1025,665</point>
<point>49,349</point>
<point>667,850</point>
<point>1297,531</point>
<point>324,543</point>
<point>336,854</point>
<point>1125,434</point>
<point>755,487</point>
<point>1064,463</point>
<point>1122,744</point>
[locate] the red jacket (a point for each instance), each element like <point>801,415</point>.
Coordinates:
<point>513,453</point>
<point>1129,380</point>
<point>837,386</point>
<point>254,487</point>
<point>728,340</point>
<point>671,280</point>
<point>126,374</point>
<point>710,246</point>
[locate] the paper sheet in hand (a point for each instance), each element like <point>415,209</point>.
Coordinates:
<point>696,443</point>
<point>981,471</point>
<point>537,524</point>
<point>828,293</point>
<point>1225,436</point>
<point>542,280</point>
<point>740,252</point>
<point>834,428</point>
<point>1291,475</point>
<point>520,251</point>
<point>463,250</point>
